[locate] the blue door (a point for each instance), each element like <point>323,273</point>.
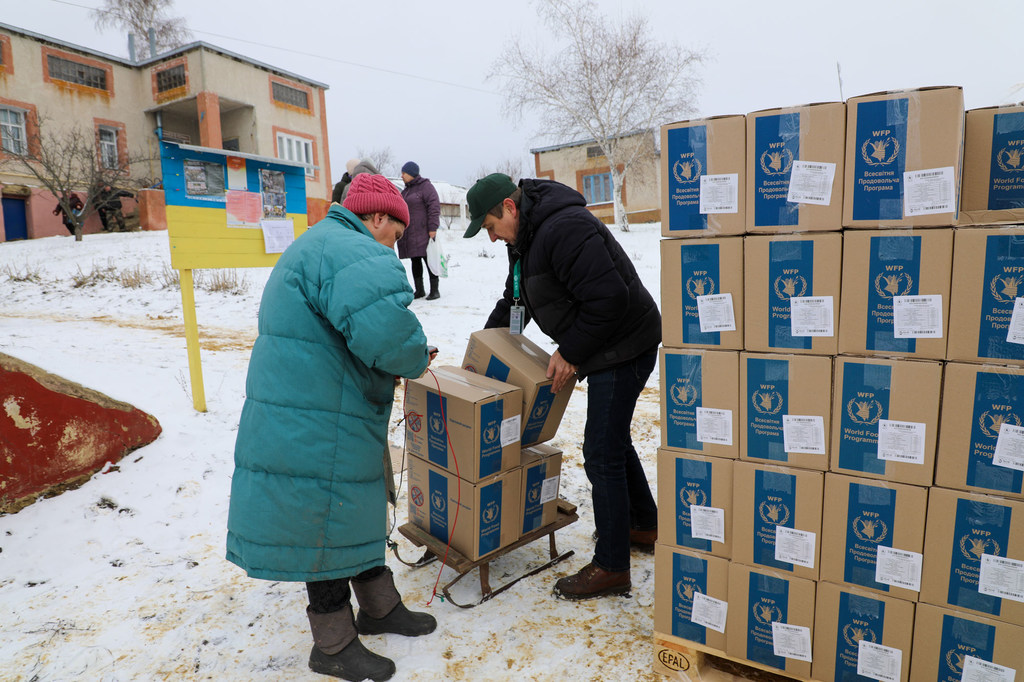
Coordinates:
<point>15,224</point>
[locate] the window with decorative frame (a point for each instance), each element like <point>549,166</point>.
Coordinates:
<point>169,79</point>
<point>597,188</point>
<point>13,137</point>
<point>294,148</point>
<point>76,72</point>
<point>107,139</point>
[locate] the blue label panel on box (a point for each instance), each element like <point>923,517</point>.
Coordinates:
<point>688,160</point>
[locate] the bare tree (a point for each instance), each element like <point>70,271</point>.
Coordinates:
<point>604,80</point>
<point>67,161</point>
<point>511,167</point>
<point>383,159</point>
<point>138,16</point>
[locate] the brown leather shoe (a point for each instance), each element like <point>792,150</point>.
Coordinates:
<point>592,581</point>
<point>643,540</point>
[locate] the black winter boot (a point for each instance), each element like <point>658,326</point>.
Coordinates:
<point>381,609</point>
<point>434,293</point>
<point>338,652</point>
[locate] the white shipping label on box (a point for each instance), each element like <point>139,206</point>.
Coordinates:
<point>929,191</point>
<point>720,193</point>
<point>791,641</point>
<point>810,182</point>
<point>879,662</point>
<point>979,670</point>
<point>803,434</point>
<point>795,546</point>
<point>1015,334</point>
<point>901,441</point>
<point>917,317</point>
<point>899,568</point>
<point>1001,577</point>
<point>811,316</point>
<point>510,430</point>
<point>1010,447</point>
<point>709,612</point>
<point>549,489</point>
<point>707,523</point>
<point>714,426</point>
<point>716,313</point>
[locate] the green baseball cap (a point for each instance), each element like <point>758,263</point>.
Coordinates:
<point>487,193</point>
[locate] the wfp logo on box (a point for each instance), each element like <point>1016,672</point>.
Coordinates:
<point>854,634</point>
<point>1004,289</point>
<point>892,284</point>
<point>693,496</point>
<point>776,161</point>
<point>870,530</point>
<point>490,434</point>
<point>686,588</point>
<point>700,285</point>
<point>683,393</point>
<point>490,512</point>
<point>687,170</point>
<point>788,287</point>
<point>766,401</point>
<point>990,422</point>
<point>864,411</point>
<point>436,424</point>
<point>775,513</point>
<point>881,149</point>
<point>1009,160</point>
<point>437,501</point>
<point>540,411</point>
<point>972,547</point>
<point>766,612</point>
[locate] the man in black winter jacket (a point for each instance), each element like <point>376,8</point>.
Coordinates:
<point>567,273</point>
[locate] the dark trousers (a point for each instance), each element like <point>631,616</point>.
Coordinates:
<point>328,596</point>
<point>111,216</point>
<point>621,496</point>
<point>417,274</point>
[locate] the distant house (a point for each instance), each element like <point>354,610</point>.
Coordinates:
<point>198,94</point>
<point>582,165</point>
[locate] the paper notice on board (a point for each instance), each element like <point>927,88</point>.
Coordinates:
<point>277,235</point>
<point>244,209</point>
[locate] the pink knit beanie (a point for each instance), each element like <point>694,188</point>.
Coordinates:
<point>372,193</point>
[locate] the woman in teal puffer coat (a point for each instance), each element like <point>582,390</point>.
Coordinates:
<point>308,500</point>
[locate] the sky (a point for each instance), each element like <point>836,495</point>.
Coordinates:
<point>125,578</point>
<point>411,77</point>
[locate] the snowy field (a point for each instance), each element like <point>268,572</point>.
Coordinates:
<point>125,579</point>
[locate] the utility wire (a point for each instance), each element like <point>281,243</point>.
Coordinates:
<point>310,54</point>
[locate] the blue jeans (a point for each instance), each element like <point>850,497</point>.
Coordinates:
<point>621,497</point>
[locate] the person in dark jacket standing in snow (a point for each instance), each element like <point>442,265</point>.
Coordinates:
<point>424,217</point>
<point>567,273</point>
<point>308,501</point>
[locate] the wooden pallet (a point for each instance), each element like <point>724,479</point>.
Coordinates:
<point>566,514</point>
<point>680,659</point>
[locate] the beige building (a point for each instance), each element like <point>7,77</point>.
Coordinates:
<point>583,166</point>
<point>198,94</point>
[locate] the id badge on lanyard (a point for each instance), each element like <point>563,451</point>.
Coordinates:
<point>516,313</point>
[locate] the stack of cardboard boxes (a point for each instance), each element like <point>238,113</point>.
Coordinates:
<point>833,501</point>
<point>480,476</point>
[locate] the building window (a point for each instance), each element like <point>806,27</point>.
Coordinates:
<point>294,148</point>
<point>594,152</point>
<point>74,72</point>
<point>290,95</point>
<point>12,131</point>
<point>597,188</point>
<point>171,78</point>
<point>108,147</point>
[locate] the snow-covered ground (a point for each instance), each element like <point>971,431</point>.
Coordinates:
<point>124,578</point>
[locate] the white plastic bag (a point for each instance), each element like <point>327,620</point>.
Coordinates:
<point>437,260</point>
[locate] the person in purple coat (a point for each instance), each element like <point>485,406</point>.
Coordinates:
<point>424,217</point>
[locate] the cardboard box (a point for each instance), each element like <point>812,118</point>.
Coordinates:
<point>806,144</point>
<point>944,638</point>
<point>904,151</point>
<point>476,518</point>
<point>542,470</point>
<point>993,175</point>
<point>758,598</point>
<point>781,267</point>
<point>780,389</point>
<point>700,267</point>
<point>464,422</point>
<point>517,360</point>
<point>988,276</point>
<point>880,265</point>
<point>692,151</point>
<point>862,515</point>
<point>678,575</point>
<point>844,617</point>
<point>764,497</point>
<point>871,393</point>
<point>685,480</point>
<point>705,384</point>
<point>962,528</point>
<point>977,400</point>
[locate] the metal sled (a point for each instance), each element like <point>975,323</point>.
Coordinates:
<point>436,548</point>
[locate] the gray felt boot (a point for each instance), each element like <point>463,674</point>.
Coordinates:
<point>381,609</point>
<point>338,652</point>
